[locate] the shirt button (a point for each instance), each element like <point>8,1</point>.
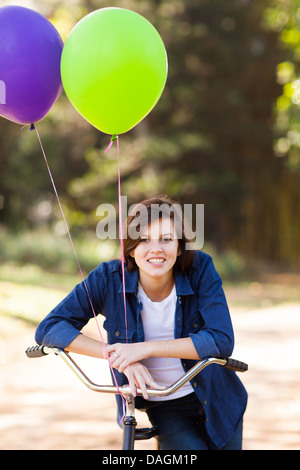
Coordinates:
<point>195,384</point>
<point>117,333</point>
<point>205,402</point>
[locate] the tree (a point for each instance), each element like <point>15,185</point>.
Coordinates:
<point>225,132</point>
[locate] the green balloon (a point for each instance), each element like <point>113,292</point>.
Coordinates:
<point>114,68</point>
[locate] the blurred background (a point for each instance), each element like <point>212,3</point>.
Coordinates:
<point>226,134</point>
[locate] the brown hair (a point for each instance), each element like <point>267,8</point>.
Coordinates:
<point>146,212</point>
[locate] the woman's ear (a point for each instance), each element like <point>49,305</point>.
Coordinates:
<point>131,253</point>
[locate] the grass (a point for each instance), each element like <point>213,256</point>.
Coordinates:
<point>53,252</point>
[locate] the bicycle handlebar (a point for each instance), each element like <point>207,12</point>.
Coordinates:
<point>36,351</point>
<point>228,363</point>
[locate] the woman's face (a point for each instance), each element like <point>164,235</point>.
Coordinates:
<point>157,251</point>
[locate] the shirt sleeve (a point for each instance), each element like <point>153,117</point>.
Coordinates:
<point>61,326</point>
<point>216,337</point>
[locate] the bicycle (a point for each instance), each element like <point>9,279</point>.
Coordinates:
<point>130,431</point>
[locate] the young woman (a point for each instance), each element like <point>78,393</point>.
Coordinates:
<point>176,314</point>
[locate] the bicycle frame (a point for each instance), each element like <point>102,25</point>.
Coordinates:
<point>130,433</point>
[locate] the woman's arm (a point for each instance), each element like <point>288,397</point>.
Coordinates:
<point>82,344</point>
<point>181,348</point>
<point>123,354</point>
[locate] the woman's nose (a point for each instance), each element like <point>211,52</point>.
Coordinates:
<point>155,246</point>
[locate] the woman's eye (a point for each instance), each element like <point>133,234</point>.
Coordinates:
<point>143,240</point>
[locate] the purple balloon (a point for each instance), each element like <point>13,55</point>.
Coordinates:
<point>30,52</point>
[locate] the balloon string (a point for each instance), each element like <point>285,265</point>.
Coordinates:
<point>115,138</point>
<point>33,127</point>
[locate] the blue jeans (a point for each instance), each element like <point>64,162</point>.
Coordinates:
<point>181,424</point>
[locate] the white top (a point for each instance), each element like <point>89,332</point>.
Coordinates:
<point>158,321</point>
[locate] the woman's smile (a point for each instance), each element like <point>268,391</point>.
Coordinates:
<point>156,261</point>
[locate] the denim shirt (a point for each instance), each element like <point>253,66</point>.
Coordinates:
<point>201,314</point>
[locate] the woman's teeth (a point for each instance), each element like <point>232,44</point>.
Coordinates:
<point>156,260</point>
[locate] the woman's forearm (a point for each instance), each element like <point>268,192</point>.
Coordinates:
<point>82,344</point>
<point>182,348</point>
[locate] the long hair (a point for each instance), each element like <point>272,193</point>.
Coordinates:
<point>148,211</point>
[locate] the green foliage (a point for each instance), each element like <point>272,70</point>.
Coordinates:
<point>52,251</point>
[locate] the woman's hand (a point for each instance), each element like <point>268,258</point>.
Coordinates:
<point>126,359</point>
<point>138,377</point>
<point>121,355</point>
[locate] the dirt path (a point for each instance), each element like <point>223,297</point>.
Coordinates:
<point>43,406</point>
<point>269,340</point>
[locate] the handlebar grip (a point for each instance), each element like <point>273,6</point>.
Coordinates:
<point>35,351</point>
<point>235,365</point>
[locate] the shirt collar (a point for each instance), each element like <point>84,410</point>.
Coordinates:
<point>131,282</point>
<point>182,283</point>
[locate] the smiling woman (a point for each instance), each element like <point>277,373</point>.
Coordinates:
<point>155,255</point>
<point>176,314</point>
